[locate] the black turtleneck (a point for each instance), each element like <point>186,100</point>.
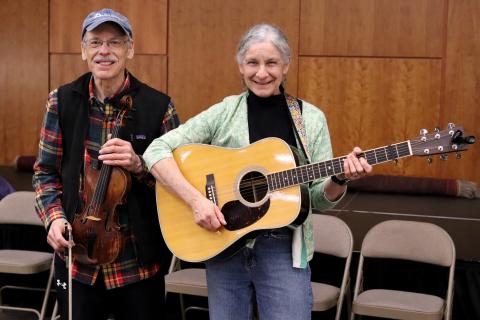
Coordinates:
<point>269,117</point>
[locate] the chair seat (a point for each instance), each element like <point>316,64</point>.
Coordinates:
<point>325,296</point>
<point>24,261</point>
<point>187,281</point>
<point>399,305</point>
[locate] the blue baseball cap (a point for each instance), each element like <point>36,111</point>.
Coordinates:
<point>96,18</point>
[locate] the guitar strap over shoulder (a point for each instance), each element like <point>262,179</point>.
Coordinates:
<point>297,119</point>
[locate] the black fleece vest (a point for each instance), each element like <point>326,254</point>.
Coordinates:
<point>143,124</point>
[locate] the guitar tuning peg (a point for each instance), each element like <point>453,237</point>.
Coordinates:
<point>437,129</point>
<point>423,133</point>
<point>443,157</point>
<point>429,160</point>
<point>450,126</point>
<point>458,155</point>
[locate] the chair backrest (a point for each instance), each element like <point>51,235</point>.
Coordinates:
<point>332,235</point>
<point>5,188</point>
<point>409,240</point>
<point>18,208</point>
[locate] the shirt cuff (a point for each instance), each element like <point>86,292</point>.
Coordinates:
<point>54,214</point>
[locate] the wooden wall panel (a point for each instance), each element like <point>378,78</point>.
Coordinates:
<point>147,17</point>
<point>23,75</point>
<point>150,69</point>
<point>398,28</point>
<point>187,47</point>
<point>65,68</point>
<point>203,36</point>
<point>462,81</point>
<point>375,102</point>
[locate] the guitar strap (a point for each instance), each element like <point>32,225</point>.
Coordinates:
<point>299,253</point>
<point>297,119</point>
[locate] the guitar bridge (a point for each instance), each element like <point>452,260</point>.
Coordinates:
<point>210,189</point>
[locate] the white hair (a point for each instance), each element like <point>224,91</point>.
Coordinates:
<point>263,33</point>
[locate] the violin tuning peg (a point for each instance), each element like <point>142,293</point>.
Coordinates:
<point>458,155</point>
<point>429,160</point>
<point>443,157</point>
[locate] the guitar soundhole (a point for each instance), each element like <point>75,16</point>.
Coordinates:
<point>253,187</point>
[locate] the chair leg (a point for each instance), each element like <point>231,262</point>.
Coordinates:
<point>47,293</point>
<point>21,309</point>
<point>182,306</point>
<point>41,314</point>
<point>349,300</point>
<point>54,312</point>
<point>195,308</point>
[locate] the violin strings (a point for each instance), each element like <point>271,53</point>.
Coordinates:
<point>105,170</point>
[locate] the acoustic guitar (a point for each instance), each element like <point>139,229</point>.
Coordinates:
<point>264,186</point>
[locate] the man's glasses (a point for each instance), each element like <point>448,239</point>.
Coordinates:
<point>112,43</point>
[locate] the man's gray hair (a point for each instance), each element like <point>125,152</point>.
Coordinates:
<point>262,33</point>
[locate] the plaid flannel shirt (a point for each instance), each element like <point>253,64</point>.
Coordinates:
<point>47,183</point>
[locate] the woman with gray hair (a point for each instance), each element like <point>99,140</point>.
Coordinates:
<point>269,265</point>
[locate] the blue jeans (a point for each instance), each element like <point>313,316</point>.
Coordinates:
<point>264,273</point>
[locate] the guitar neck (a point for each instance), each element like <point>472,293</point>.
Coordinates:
<point>314,171</point>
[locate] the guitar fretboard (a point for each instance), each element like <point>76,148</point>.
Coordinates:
<point>314,171</point>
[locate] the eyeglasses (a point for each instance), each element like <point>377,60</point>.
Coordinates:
<point>112,43</point>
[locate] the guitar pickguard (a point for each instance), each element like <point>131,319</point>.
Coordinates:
<point>238,216</point>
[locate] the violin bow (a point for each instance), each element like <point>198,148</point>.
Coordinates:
<point>68,261</point>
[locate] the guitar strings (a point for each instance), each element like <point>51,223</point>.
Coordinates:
<point>259,185</point>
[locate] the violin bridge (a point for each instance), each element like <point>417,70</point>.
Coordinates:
<point>93,218</point>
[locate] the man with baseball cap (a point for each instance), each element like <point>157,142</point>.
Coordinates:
<point>75,142</point>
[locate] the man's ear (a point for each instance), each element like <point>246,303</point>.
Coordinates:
<point>84,52</point>
<point>131,50</point>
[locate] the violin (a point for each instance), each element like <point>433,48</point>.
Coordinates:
<point>96,230</point>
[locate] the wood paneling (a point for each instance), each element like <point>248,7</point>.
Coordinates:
<point>381,70</point>
<point>23,75</point>
<point>147,17</point>
<point>462,81</point>
<point>374,102</point>
<point>203,36</point>
<point>65,68</point>
<point>394,28</point>
<point>150,69</point>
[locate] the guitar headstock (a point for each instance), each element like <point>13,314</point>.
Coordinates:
<point>441,142</point>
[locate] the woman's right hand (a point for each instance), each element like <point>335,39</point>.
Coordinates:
<point>207,214</point>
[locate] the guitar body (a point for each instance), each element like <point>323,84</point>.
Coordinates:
<point>240,190</point>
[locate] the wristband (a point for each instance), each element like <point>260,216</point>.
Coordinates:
<point>338,181</point>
